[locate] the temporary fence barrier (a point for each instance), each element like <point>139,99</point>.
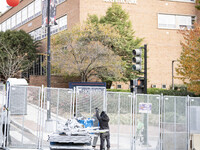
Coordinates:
<point>137,121</point>
<point>119,110</point>
<point>147,122</point>
<point>89,98</point>
<point>24,117</point>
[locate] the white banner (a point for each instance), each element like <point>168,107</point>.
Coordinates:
<point>52,14</point>
<point>145,107</point>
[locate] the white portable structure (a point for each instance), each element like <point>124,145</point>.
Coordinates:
<point>16,96</point>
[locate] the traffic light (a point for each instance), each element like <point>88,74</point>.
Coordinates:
<point>140,85</point>
<point>137,59</point>
<point>133,84</point>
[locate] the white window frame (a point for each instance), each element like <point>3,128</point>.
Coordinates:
<point>19,18</point>
<point>3,26</point>
<point>38,34</point>
<point>175,24</point>
<point>31,11</point>
<point>24,14</point>
<point>13,21</point>
<point>62,23</point>
<point>8,23</point>
<point>37,7</point>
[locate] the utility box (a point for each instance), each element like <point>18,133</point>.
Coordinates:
<point>17,96</point>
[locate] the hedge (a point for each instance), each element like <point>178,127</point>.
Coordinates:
<point>182,92</point>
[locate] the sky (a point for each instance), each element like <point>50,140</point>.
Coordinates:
<point>3,6</point>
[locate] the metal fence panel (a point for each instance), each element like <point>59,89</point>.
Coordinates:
<point>154,122</point>
<point>87,99</point>
<point>166,124</point>
<point>61,104</point>
<point>194,122</point>
<point>175,123</point>
<point>119,109</point>
<point>147,123</point>
<point>24,105</point>
<point>2,102</point>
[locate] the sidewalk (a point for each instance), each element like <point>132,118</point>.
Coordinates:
<point>33,123</point>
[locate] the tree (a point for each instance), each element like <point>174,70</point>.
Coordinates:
<point>78,52</point>
<point>119,19</point>
<point>189,61</point>
<point>198,5</point>
<point>17,51</point>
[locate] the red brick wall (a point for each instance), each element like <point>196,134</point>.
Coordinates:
<point>56,81</point>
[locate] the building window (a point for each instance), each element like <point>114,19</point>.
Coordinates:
<point>13,21</point>
<point>24,15</point>
<point>8,24</point>
<point>164,86</point>
<point>32,34</point>
<point>30,11</point>
<point>37,7</point>
<point>153,86</point>
<point>36,68</point>
<point>3,27</point>
<point>54,29</point>
<point>19,17</point>
<point>166,21</point>
<point>0,28</point>
<point>41,33</point>
<point>38,34</point>
<point>62,23</point>
<point>119,86</point>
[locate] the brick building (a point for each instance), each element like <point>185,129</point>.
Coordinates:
<point>157,21</point>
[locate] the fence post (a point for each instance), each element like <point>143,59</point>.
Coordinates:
<point>161,119</point>
<point>58,101</point>
<point>118,121</point>
<point>188,121</point>
<point>133,121</point>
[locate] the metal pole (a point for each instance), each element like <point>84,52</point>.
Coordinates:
<point>173,74</point>
<point>145,69</point>
<point>48,60</point>
<point>145,92</point>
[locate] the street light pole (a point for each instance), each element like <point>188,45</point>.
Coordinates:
<point>48,61</point>
<point>173,74</point>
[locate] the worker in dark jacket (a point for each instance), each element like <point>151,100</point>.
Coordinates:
<point>103,123</point>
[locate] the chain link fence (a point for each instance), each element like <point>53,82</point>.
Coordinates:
<point>119,110</point>
<point>2,102</point>
<point>87,99</point>
<point>175,123</point>
<point>137,122</point>
<point>194,126</point>
<point>147,122</point>
<point>61,104</point>
<point>24,117</point>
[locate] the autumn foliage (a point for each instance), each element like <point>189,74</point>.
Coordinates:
<point>189,61</point>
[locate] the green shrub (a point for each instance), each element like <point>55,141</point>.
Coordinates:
<point>118,90</point>
<point>179,92</point>
<point>170,92</point>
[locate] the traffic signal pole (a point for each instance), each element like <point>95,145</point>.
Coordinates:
<point>145,92</point>
<point>145,69</point>
<point>141,87</point>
